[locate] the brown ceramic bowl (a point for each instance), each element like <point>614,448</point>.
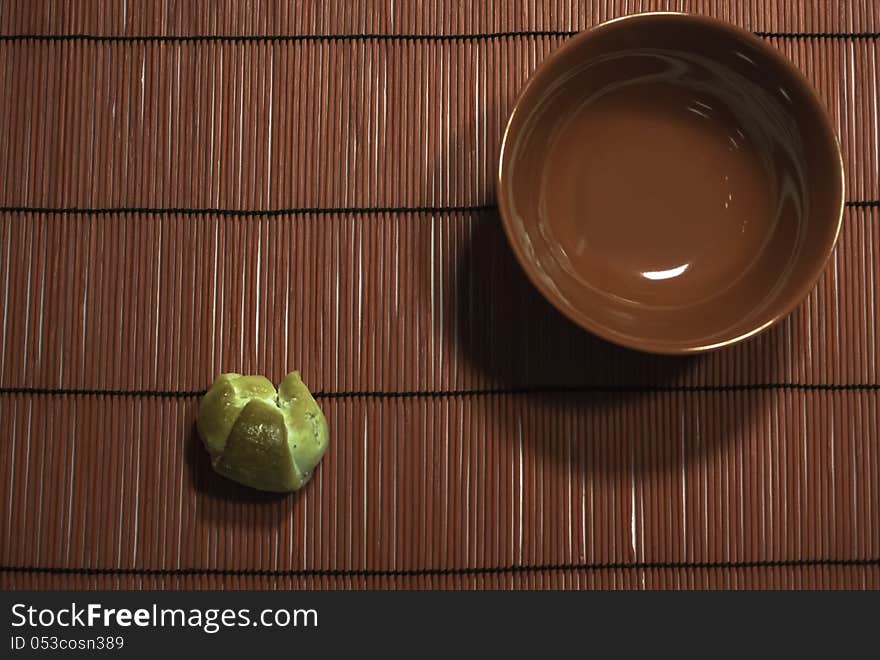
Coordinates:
<point>671,183</point>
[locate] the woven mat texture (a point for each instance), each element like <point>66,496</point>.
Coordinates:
<point>260,186</point>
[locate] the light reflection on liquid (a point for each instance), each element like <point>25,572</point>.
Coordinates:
<point>667,274</point>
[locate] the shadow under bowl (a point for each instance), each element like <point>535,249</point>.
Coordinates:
<point>671,183</point>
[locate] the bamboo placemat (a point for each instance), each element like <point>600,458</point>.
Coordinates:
<point>265,186</point>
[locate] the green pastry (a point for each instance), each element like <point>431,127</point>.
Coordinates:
<point>263,438</point>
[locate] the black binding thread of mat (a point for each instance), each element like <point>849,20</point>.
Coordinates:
<point>381,36</point>
<point>440,572</point>
<point>306,210</point>
<point>422,394</point>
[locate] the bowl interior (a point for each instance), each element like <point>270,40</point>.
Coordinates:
<point>670,183</point>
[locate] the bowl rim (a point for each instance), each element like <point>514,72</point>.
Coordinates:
<point>652,345</point>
